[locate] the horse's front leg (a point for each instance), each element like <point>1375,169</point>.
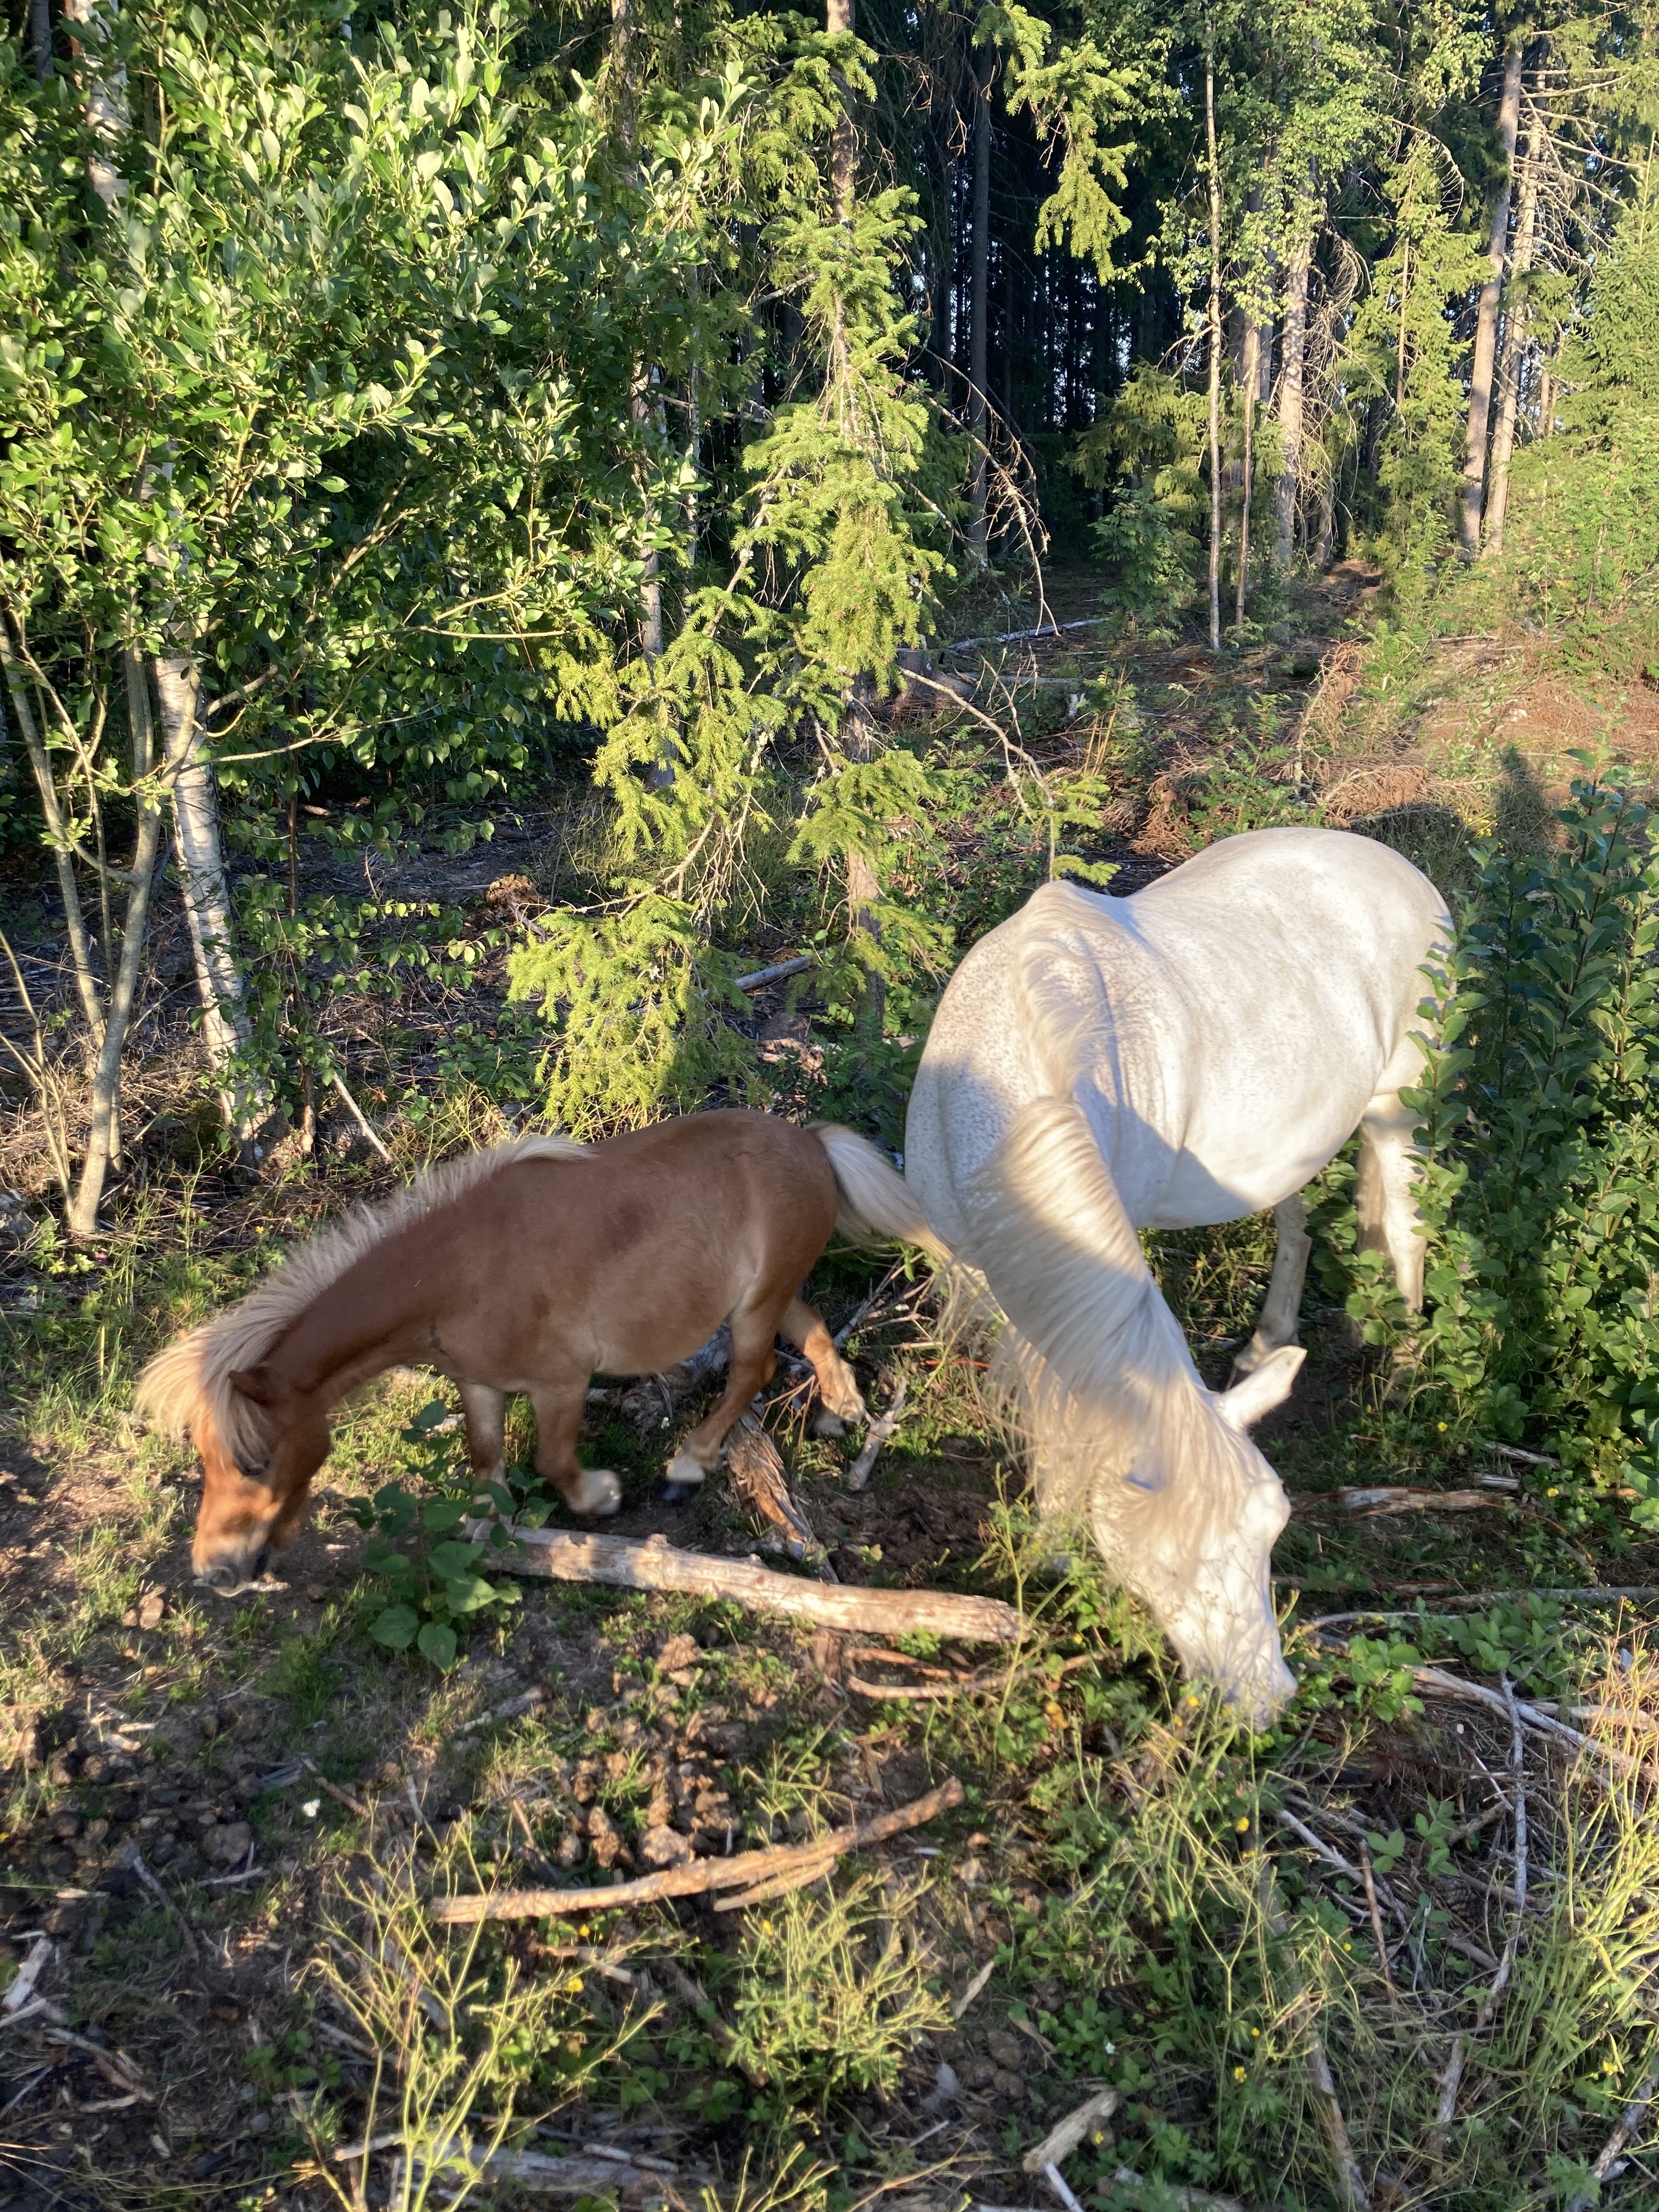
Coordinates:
<point>558,1425</point>
<point>1281,1309</point>
<point>484,1412</point>
<point>753,1360</point>
<point>1385,1193</point>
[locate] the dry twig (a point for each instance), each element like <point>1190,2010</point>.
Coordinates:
<point>882,1430</point>
<point>744,1871</point>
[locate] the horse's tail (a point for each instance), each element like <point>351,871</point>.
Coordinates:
<point>874,1203</point>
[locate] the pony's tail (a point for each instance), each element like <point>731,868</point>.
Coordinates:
<point>875,1204</point>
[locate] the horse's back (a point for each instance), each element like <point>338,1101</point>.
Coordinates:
<point>1225,1028</point>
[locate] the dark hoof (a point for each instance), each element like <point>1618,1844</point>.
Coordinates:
<point>676,1493</point>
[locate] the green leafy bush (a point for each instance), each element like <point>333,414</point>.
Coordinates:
<point>434,1585</point>
<point>1539,1137</point>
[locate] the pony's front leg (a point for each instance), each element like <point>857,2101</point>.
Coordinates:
<point>753,1361</point>
<point>484,1412</point>
<point>1282,1307</point>
<point>558,1425</point>
<point>838,1386</point>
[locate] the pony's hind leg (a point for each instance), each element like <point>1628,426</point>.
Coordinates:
<point>1386,1194</point>
<point>753,1360</point>
<point>1283,1303</point>
<point>838,1386</point>
<point>484,1411</point>
<point>558,1425</point>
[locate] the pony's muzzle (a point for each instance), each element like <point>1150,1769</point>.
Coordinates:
<point>227,1575</point>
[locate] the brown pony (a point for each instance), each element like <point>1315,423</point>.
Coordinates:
<point>526,1268</point>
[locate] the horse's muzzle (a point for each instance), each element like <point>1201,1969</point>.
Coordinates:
<point>229,1578</point>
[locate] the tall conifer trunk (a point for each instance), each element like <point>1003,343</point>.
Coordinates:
<point>979,342</point>
<point>863,888</point>
<point>1288,490</point>
<point>1486,323</point>
<point>1511,360</point>
<point>1215,337</point>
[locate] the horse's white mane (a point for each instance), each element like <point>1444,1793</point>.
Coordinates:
<point>191,1377</point>
<point>1119,1423</point>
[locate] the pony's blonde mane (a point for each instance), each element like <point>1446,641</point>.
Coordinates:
<point>186,1389</point>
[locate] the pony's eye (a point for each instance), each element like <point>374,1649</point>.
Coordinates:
<point>254,1469</point>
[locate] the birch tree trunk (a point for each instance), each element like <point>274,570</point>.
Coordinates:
<point>1288,488</point>
<point>979,339</point>
<point>1511,357</point>
<point>1215,337</point>
<point>1486,323</point>
<point>103,1145</point>
<point>200,853</point>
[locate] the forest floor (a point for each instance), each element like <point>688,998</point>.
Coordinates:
<point>1278,1954</point>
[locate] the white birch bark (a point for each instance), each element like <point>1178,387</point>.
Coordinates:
<point>200,853</point>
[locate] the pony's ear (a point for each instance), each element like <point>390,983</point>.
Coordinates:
<point>254,1382</point>
<point>1264,1387</point>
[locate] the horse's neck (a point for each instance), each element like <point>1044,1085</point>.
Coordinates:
<point>379,1314</point>
<point>1060,1252</point>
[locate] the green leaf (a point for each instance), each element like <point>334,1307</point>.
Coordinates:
<point>438,1644</point>
<point>397,1627</point>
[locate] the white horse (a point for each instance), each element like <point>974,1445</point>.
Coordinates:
<point>1190,1054</point>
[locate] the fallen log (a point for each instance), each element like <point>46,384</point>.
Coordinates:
<point>1372,1502</point>
<point>566,1556</point>
<point>745,1870</point>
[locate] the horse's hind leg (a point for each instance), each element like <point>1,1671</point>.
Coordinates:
<point>558,1425</point>
<point>1386,1195</point>
<point>837,1384</point>
<point>1283,1303</point>
<point>753,1360</point>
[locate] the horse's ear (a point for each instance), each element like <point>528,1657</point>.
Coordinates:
<point>254,1382</point>
<point>1262,1388</point>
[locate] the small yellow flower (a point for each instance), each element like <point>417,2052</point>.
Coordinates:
<point>1244,1824</point>
<point>1239,2074</point>
<point>1441,1425</point>
<point>1255,2031</point>
<point>1609,2065</point>
<point>1553,1492</point>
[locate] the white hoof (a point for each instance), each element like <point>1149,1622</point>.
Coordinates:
<point>826,1423</point>
<point>595,1490</point>
<point>685,1470</point>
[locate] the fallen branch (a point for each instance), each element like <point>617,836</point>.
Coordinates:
<point>955,1685</point>
<point>18,1996</point>
<point>560,1555</point>
<point>776,972</point>
<point>881,1431</point>
<point>1439,1683</point>
<point>1446,2111</point>
<point>1062,2140</point>
<point>1376,1503</point>
<point>1351,2189</point>
<point>366,1128</point>
<point>1630,2120</point>
<point>745,1870</point>
<point>755,1467</point>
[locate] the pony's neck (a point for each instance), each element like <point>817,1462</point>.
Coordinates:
<point>382,1312</point>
